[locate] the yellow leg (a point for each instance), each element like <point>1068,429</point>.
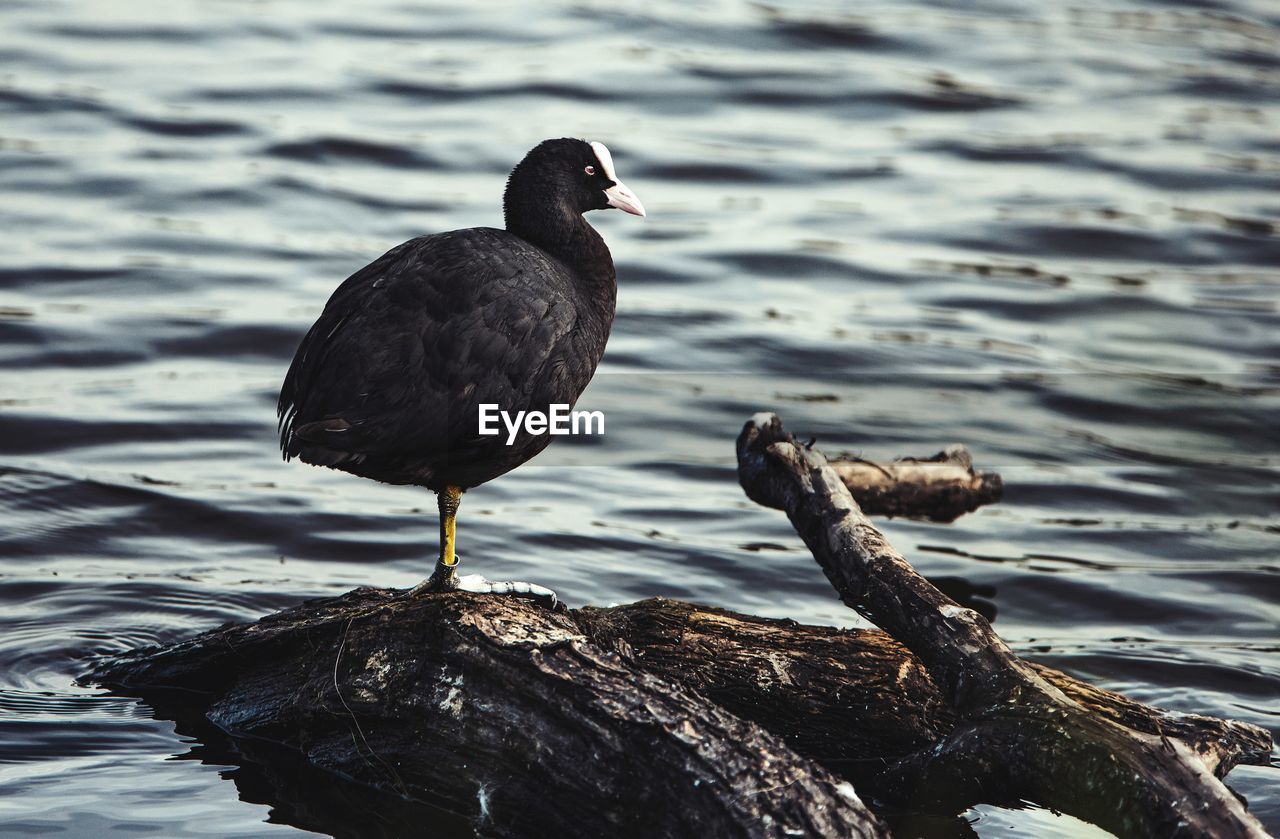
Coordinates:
<point>445,577</point>
<point>448,500</point>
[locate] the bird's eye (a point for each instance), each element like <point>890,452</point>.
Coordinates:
<point>590,170</point>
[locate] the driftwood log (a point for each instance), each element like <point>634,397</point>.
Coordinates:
<point>1018,736</point>
<point>667,718</point>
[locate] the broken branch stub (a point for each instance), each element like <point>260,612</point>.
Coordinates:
<point>940,488</point>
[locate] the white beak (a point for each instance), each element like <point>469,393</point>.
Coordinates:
<point>624,199</point>
<point>619,196</point>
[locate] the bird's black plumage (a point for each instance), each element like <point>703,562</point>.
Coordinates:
<point>387,384</point>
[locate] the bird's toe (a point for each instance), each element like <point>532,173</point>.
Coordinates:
<point>532,591</point>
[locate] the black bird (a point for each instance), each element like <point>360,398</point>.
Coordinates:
<point>388,382</point>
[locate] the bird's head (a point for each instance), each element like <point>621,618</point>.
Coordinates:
<point>574,174</point>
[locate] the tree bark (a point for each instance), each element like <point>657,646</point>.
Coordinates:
<point>855,700</point>
<point>1017,735</point>
<point>667,718</point>
<point>502,711</point>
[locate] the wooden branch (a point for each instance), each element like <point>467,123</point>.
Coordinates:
<point>1220,745</point>
<point>1017,736</point>
<point>940,488</point>
<point>855,700</point>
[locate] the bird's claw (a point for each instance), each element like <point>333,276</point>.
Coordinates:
<point>445,578</point>
<point>479,585</point>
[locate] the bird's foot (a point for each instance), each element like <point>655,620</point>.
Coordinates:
<point>479,585</point>
<point>445,578</point>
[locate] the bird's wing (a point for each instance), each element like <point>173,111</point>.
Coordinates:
<point>313,353</point>
<point>409,347</point>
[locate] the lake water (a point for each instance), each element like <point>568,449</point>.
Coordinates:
<point>1049,232</point>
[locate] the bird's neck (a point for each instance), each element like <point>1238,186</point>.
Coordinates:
<point>567,236</point>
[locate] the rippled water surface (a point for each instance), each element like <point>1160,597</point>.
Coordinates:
<point>1049,232</point>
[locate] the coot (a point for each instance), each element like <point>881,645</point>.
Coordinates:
<point>388,382</point>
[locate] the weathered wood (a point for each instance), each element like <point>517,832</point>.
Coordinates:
<point>666,718</point>
<point>1017,735</point>
<point>939,488</point>
<point>439,698</point>
<point>504,710</point>
<point>855,700</point>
